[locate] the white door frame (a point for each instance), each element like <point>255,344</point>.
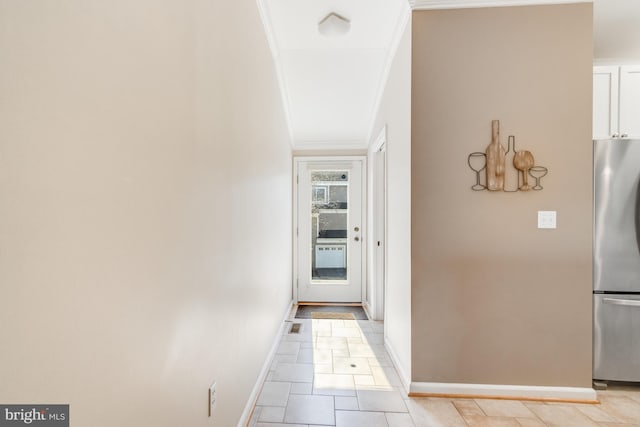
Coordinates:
<point>377,256</point>
<point>365,230</point>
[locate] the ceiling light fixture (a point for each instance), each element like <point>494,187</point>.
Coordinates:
<point>334,25</point>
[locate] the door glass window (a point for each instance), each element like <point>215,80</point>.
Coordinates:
<point>329,219</point>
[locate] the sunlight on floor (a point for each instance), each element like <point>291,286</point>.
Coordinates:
<point>333,372</point>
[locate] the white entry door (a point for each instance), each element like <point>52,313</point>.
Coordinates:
<point>330,237</point>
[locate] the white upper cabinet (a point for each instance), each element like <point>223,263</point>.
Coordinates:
<point>629,101</point>
<point>616,101</point>
<point>605,102</point>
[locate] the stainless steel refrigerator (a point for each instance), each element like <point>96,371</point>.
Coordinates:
<point>616,260</point>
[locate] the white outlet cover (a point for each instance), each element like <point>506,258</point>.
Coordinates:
<point>546,219</point>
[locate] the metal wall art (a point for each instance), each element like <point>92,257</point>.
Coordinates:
<point>504,170</point>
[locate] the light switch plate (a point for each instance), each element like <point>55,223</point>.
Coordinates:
<point>546,219</point>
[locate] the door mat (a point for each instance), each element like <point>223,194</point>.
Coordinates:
<point>315,311</point>
<point>331,315</point>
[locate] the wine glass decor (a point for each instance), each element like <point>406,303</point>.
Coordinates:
<point>477,162</point>
<point>537,172</point>
<point>500,165</point>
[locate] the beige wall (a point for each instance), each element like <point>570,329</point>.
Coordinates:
<point>395,113</point>
<point>130,281</point>
<point>496,300</point>
<point>616,33</point>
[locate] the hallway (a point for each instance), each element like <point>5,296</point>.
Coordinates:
<point>338,373</point>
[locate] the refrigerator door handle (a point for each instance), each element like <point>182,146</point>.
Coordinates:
<point>627,302</point>
<point>637,218</point>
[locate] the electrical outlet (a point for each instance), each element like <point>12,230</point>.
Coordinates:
<point>213,396</point>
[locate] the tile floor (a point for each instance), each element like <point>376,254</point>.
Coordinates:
<point>338,373</point>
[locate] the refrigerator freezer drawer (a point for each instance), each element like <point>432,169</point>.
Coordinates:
<point>616,337</point>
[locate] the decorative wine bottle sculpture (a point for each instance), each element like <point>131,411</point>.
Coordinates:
<point>495,160</point>
<point>510,171</point>
<point>504,169</point>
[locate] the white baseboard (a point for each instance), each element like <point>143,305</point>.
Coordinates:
<point>404,378</point>
<point>506,391</point>
<point>253,397</point>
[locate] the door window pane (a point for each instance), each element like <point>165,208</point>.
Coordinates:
<point>329,218</point>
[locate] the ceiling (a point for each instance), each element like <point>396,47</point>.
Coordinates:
<point>331,86</point>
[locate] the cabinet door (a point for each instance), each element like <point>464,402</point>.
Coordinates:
<point>605,101</point>
<point>630,101</point>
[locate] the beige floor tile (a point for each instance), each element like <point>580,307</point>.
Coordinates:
<point>530,422</point>
<point>346,403</point>
<point>597,414</point>
<point>271,414</point>
<point>293,372</point>
<point>618,425</point>
<point>385,376</point>
<point>435,412</point>
<point>309,409</point>
<point>334,384</point>
<point>381,400</point>
<point>361,350</point>
<point>337,323</point>
<point>301,388</point>
<point>621,408</point>
<point>322,356</point>
<point>323,368</point>
<point>484,421</point>
<point>288,347</point>
<point>347,332</point>
<point>333,343</point>
<point>377,326</point>
<point>356,340</point>
<point>360,419</point>
<point>504,408</point>
<point>282,358</point>
<point>560,415</point>
<point>374,396</point>
<point>365,380</point>
<point>380,361</point>
<point>323,333</point>
<point>341,352</point>
<point>632,393</point>
<point>301,338</point>
<point>373,338</point>
<point>399,420</point>
<point>280,425</point>
<point>468,408</point>
<point>378,388</point>
<point>274,394</point>
<point>305,355</point>
<point>351,365</point>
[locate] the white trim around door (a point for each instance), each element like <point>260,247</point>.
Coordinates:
<point>329,227</point>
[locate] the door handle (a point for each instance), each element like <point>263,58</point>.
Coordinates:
<point>627,302</point>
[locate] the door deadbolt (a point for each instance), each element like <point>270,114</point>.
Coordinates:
<point>356,229</point>
<point>357,239</point>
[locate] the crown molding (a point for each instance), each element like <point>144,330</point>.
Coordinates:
<point>461,4</point>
